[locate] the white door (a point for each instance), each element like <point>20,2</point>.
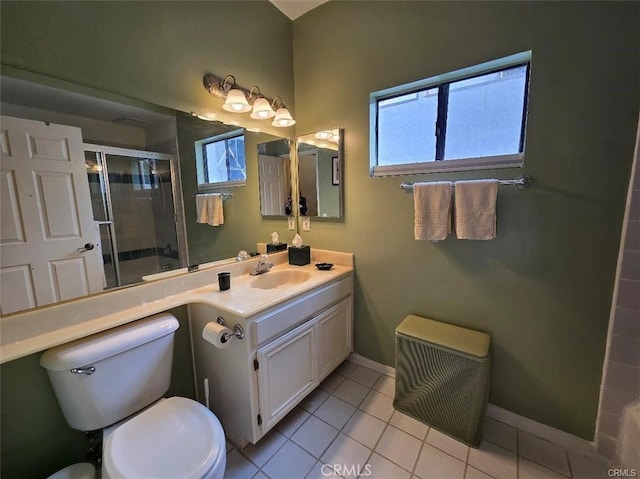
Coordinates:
<point>46,217</point>
<point>273,185</point>
<point>334,336</point>
<point>286,373</point>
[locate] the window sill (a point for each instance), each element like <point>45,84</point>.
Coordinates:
<point>465,164</point>
<point>222,184</point>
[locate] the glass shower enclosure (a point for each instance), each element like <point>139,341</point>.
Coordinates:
<point>132,196</point>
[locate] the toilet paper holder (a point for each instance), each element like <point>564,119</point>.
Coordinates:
<point>238,331</point>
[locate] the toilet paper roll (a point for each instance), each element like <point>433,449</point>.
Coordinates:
<point>217,335</point>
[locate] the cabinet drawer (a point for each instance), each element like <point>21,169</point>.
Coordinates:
<point>284,318</point>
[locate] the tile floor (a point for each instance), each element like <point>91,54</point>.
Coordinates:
<point>349,421</point>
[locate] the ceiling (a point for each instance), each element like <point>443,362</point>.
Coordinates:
<point>32,95</point>
<point>296,8</point>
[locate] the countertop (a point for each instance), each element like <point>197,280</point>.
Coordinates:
<point>38,329</point>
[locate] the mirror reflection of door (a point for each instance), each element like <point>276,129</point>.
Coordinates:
<point>49,247</point>
<point>274,175</point>
<point>274,181</point>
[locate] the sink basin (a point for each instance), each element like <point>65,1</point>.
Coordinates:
<point>278,279</point>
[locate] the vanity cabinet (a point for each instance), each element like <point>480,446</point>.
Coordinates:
<point>286,352</point>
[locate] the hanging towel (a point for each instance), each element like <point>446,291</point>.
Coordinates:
<point>475,206</point>
<point>432,207</point>
<point>209,209</point>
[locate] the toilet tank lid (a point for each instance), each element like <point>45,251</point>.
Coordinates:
<point>84,351</point>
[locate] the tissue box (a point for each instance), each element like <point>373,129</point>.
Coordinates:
<point>299,256</point>
<point>273,248</point>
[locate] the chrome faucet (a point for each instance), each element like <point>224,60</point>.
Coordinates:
<point>263,266</point>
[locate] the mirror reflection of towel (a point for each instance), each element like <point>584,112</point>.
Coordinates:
<point>209,209</point>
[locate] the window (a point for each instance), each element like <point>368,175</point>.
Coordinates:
<point>468,119</point>
<point>220,160</point>
<point>142,175</point>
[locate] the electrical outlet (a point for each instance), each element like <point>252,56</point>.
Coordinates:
<point>291,223</point>
<point>306,223</point>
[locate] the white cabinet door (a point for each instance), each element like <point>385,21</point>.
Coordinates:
<point>286,373</point>
<point>334,336</point>
<point>46,216</point>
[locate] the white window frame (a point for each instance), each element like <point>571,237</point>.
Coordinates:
<point>200,173</point>
<point>464,164</point>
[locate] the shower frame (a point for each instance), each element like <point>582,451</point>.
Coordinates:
<point>176,193</point>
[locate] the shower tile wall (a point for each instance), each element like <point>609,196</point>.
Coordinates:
<point>622,369</point>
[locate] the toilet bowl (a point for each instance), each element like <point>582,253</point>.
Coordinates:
<point>114,381</point>
<point>81,470</point>
<point>174,438</point>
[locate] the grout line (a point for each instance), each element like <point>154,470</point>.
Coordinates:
<point>566,455</point>
<point>415,464</point>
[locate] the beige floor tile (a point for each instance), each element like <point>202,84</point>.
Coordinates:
<point>364,428</point>
<point>448,444</point>
<point>399,447</point>
<point>494,460</point>
<point>409,424</point>
<point>435,464</point>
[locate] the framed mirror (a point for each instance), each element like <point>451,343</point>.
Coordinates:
<point>274,174</point>
<point>320,164</point>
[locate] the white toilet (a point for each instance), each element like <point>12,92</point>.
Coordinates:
<point>115,381</point>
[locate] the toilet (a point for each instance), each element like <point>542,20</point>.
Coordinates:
<point>115,381</point>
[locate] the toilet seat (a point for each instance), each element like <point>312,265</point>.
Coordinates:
<point>175,438</point>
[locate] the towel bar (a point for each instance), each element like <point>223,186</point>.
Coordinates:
<point>521,182</point>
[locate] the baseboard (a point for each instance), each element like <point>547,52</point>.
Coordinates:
<point>561,438</point>
<point>530,426</point>
<point>369,363</point>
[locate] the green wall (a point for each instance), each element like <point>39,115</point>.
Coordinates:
<point>543,287</point>
<point>156,51</point>
<point>35,439</point>
<point>328,193</point>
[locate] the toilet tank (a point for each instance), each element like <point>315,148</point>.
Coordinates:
<point>108,376</point>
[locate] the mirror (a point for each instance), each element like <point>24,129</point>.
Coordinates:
<point>274,173</point>
<point>320,162</point>
<point>152,186</point>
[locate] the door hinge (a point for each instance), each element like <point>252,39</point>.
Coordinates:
<point>259,420</point>
<point>256,365</point>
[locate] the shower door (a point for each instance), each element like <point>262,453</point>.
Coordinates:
<point>132,195</point>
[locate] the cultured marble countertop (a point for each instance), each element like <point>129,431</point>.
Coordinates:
<point>38,329</point>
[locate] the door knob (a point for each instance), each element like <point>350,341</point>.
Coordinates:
<point>87,247</point>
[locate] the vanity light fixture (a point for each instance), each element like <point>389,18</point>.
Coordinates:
<point>283,118</point>
<point>236,101</point>
<point>239,100</point>
<point>262,109</point>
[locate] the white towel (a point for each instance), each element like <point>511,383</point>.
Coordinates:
<point>432,207</point>
<point>475,205</point>
<point>209,209</point>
